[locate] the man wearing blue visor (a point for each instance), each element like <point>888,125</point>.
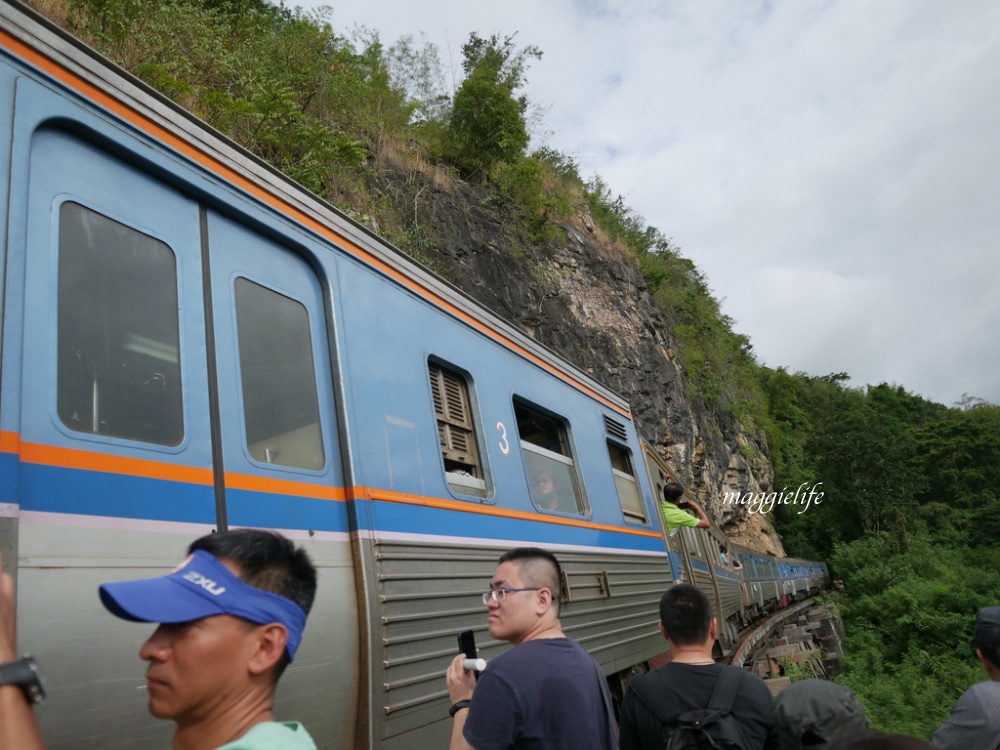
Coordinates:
<point>230,619</point>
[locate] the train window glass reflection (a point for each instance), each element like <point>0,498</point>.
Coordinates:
<point>548,460</point>
<point>456,431</point>
<point>278,375</point>
<point>628,488</point>
<point>118,360</point>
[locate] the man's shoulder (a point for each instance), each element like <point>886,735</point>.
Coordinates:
<point>675,516</point>
<point>273,735</point>
<point>541,659</point>
<point>989,688</point>
<point>702,678</point>
<point>542,648</point>
<point>982,694</point>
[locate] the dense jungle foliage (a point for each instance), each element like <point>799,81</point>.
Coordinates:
<point>911,507</point>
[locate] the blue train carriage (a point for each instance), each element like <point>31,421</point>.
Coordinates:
<point>190,341</point>
<point>795,577</point>
<point>760,577</point>
<point>701,555</point>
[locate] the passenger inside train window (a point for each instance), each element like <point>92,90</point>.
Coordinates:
<point>548,462</point>
<point>548,494</point>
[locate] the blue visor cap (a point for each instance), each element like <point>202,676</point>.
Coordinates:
<point>202,587</point>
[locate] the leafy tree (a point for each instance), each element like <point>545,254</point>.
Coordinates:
<point>487,123</point>
<point>909,616</point>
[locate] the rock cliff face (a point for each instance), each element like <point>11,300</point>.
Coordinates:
<point>587,300</point>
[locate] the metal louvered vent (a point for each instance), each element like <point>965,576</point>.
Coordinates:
<point>614,428</point>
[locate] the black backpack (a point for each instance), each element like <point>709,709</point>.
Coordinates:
<point>711,728</point>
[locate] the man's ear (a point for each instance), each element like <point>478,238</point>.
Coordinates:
<point>663,630</point>
<point>544,600</point>
<point>271,642</point>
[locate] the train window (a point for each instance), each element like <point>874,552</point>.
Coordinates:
<point>456,431</point>
<point>628,488</point>
<point>691,541</point>
<point>548,461</point>
<point>118,361</point>
<point>278,375</point>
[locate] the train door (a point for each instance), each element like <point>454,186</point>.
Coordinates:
<point>114,454</point>
<point>106,438</point>
<point>280,454</point>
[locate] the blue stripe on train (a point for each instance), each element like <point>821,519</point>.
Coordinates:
<point>60,490</point>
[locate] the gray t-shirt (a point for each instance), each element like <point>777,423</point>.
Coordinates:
<point>974,723</point>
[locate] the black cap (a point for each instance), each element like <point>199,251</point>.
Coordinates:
<point>987,626</point>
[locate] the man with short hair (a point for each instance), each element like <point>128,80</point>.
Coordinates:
<point>686,683</point>
<point>230,617</point>
<point>974,721</point>
<point>673,508</point>
<point>546,692</point>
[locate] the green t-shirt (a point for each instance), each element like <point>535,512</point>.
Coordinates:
<point>674,516</point>
<point>274,735</point>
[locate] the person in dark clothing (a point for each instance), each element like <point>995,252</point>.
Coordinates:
<point>816,715</point>
<point>546,692</point>
<point>688,680</point>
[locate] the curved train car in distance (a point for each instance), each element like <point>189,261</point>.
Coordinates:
<point>191,341</point>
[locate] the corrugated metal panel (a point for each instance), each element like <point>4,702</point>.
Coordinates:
<point>428,594</point>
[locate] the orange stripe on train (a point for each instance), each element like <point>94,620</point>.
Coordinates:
<point>72,458</point>
<point>489,510</point>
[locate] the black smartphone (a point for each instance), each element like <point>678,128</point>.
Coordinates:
<point>467,645</point>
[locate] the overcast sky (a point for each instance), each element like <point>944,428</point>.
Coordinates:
<point>832,167</point>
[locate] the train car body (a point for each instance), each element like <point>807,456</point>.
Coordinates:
<point>190,341</point>
<point>760,579</point>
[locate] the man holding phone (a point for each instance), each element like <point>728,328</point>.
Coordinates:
<point>546,691</point>
<point>674,509</point>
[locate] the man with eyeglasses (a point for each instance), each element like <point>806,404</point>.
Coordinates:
<point>546,692</point>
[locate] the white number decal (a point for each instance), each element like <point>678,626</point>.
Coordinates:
<point>504,445</point>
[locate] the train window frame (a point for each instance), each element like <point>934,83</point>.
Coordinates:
<point>692,540</point>
<point>456,417</point>
<point>298,443</point>
<point>555,457</point>
<point>626,477</point>
<point>146,347</point>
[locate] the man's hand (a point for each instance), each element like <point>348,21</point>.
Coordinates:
<point>461,681</point>
<point>8,643</point>
<point>17,721</point>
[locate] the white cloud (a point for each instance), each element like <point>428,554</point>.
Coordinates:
<point>838,154</point>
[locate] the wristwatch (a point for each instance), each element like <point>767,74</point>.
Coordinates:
<point>25,674</point>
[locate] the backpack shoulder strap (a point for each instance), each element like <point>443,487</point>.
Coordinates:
<point>726,687</point>
<point>653,699</point>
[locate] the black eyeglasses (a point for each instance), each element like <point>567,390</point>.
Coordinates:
<point>498,595</point>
